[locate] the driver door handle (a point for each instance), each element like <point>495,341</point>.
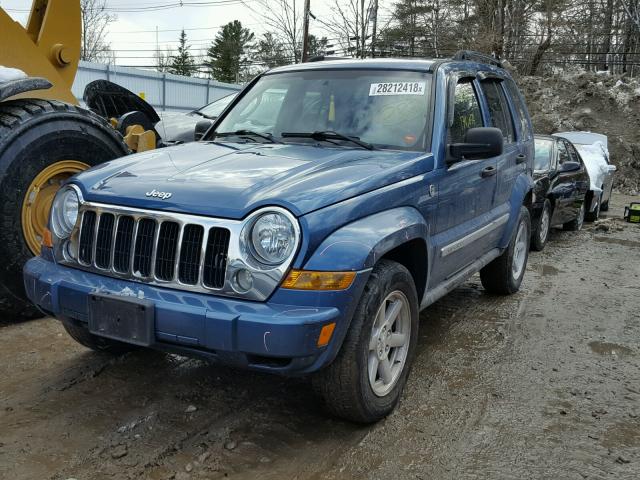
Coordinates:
<point>488,172</point>
<point>521,159</point>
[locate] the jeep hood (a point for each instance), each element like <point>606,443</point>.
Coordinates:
<point>230,180</point>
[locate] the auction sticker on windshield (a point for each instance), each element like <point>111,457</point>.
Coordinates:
<point>397,88</point>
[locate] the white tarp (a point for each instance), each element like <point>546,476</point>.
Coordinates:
<point>594,152</point>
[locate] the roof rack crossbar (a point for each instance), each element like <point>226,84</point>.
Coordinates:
<point>477,57</point>
<point>323,58</point>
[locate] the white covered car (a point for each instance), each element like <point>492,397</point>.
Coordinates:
<point>594,150</point>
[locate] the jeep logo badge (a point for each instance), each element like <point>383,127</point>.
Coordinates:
<point>157,194</point>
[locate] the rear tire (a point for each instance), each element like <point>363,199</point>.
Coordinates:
<point>577,223</point>
<point>34,135</point>
<point>540,233</point>
<point>357,386</point>
<point>605,205</point>
<point>504,275</point>
<point>595,215</point>
<point>94,342</point>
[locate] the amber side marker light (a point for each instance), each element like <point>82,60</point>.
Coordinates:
<point>325,334</point>
<point>47,241</point>
<point>308,280</point>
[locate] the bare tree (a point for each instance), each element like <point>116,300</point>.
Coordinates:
<point>351,24</point>
<point>95,21</point>
<point>163,59</point>
<point>284,19</point>
<point>632,11</point>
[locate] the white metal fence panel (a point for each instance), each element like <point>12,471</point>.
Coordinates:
<point>163,91</point>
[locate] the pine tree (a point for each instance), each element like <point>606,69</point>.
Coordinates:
<point>227,54</point>
<point>270,51</point>
<point>183,63</point>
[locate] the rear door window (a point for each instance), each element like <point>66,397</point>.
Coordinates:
<point>573,153</point>
<point>526,132</point>
<point>499,109</point>
<point>563,153</point>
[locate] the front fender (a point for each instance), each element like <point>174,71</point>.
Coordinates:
<point>23,85</point>
<point>359,245</point>
<point>523,186</point>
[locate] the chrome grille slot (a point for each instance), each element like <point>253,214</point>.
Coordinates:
<point>86,238</point>
<point>215,258</point>
<point>166,250</point>
<point>189,265</point>
<point>143,255</point>
<point>124,242</point>
<point>104,240</point>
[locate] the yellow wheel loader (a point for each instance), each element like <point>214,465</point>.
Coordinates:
<point>45,138</point>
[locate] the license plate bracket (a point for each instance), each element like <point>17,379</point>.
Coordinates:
<point>126,319</point>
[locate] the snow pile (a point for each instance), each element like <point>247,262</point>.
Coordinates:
<point>8,74</point>
<point>576,100</point>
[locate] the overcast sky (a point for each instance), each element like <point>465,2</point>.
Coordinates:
<point>135,30</point>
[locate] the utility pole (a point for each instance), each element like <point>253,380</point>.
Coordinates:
<point>362,29</point>
<point>305,31</point>
<point>375,26</point>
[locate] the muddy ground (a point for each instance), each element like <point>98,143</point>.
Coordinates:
<point>543,384</point>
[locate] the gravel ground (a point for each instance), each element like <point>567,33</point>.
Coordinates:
<point>542,384</point>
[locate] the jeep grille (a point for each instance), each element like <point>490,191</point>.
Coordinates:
<point>149,249</point>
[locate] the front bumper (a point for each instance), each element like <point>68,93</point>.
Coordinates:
<point>279,335</point>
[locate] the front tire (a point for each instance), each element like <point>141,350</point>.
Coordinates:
<point>504,275</point>
<point>42,143</point>
<point>365,381</point>
<point>541,231</point>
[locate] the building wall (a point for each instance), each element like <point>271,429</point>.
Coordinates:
<point>164,91</point>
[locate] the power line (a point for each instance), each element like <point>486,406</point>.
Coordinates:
<point>155,8</point>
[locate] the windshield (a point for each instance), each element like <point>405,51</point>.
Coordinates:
<point>544,149</point>
<point>387,109</point>
<point>214,109</point>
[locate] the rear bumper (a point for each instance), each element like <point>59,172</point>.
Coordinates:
<point>278,336</point>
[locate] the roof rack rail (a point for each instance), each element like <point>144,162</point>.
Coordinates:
<point>322,58</point>
<point>477,57</point>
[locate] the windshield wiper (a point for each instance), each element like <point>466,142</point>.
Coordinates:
<point>247,133</point>
<point>203,115</point>
<point>328,135</point>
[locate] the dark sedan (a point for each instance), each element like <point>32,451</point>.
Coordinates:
<point>561,184</point>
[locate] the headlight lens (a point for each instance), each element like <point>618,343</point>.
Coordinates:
<point>64,212</point>
<point>273,238</point>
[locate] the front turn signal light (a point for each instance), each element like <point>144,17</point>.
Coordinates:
<point>308,280</point>
<point>325,334</point>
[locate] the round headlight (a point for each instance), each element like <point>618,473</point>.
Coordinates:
<point>273,238</point>
<point>64,212</point>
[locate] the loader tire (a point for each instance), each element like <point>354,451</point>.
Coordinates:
<point>42,142</point>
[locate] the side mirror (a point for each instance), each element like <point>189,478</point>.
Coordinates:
<point>479,143</point>
<point>612,168</point>
<point>569,167</point>
<point>201,128</point>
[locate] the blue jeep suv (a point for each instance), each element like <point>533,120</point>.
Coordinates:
<point>327,205</point>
